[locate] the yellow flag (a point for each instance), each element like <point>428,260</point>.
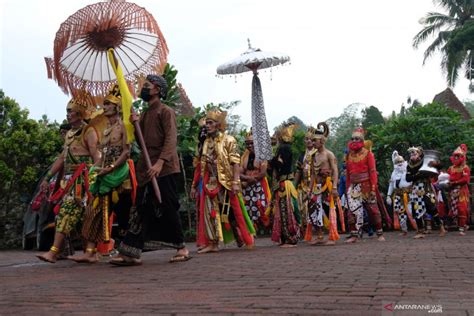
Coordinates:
<point>125,94</point>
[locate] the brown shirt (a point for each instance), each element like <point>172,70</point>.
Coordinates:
<point>158,125</point>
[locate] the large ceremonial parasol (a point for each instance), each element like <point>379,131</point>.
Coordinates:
<point>252,60</point>
<point>107,43</point>
<point>81,44</point>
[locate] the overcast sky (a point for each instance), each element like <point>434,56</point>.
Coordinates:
<point>341,52</point>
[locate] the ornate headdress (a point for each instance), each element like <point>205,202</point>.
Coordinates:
<point>114,95</point>
<point>359,132</point>
<point>322,131</point>
<point>83,103</point>
<point>219,117</point>
<point>249,136</point>
<point>461,150</point>
<point>310,132</point>
<point>396,158</point>
<point>286,133</point>
<point>418,150</point>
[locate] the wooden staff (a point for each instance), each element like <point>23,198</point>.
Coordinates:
<point>146,156</point>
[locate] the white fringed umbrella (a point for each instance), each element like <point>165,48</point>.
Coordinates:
<point>252,60</point>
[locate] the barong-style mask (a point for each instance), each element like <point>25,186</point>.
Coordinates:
<point>399,163</point>
<point>459,155</point>
<point>285,134</point>
<point>218,117</point>
<point>357,139</point>
<point>416,153</point>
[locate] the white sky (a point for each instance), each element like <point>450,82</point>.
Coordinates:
<point>342,52</point>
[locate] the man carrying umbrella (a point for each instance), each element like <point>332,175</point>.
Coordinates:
<point>151,220</point>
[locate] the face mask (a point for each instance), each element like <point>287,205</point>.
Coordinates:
<point>355,146</point>
<point>145,94</point>
<point>457,160</point>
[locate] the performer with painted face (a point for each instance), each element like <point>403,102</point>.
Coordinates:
<point>422,195</point>
<point>286,217</point>
<point>223,209</point>
<point>255,187</point>
<point>80,152</point>
<point>458,190</point>
<point>398,190</point>
<point>361,182</point>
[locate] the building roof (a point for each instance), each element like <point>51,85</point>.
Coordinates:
<point>448,98</point>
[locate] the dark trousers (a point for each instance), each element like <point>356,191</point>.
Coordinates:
<point>153,221</point>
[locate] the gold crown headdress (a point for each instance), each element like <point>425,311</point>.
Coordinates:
<point>114,95</point>
<point>83,103</point>
<point>461,150</point>
<point>310,132</point>
<point>219,117</point>
<point>418,150</point>
<point>286,132</point>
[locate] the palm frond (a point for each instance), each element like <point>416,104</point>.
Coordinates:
<point>433,24</point>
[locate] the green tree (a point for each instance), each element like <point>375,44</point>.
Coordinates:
<point>431,126</point>
<point>371,116</point>
<point>449,31</point>
<point>341,127</point>
<point>27,148</point>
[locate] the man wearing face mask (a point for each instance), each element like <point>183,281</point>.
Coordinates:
<point>459,176</point>
<point>158,224</point>
<point>361,183</point>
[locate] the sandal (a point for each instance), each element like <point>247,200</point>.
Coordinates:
<point>122,262</point>
<point>180,258</point>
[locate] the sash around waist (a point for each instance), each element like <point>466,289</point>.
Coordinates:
<point>359,177</point>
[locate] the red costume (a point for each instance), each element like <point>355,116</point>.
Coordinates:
<point>459,176</point>
<point>361,181</point>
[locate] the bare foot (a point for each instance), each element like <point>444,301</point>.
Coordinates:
<point>288,246</point>
<point>403,234</point>
<point>250,247</point>
<point>351,240</point>
<point>462,234</point>
<point>85,258</point>
<point>329,243</point>
<point>442,232</point>
<point>419,236</point>
<point>381,238</point>
<point>48,257</point>
<point>210,248</point>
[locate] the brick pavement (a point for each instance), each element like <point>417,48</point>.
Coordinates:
<point>354,279</point>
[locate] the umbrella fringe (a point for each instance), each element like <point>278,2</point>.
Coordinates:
<point>98,18</point>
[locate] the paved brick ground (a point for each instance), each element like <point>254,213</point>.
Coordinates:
<point>354,279</point>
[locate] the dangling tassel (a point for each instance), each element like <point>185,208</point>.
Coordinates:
<point>115,197</point>
<point>333,234</point>
<point>308,236</point>
<point>105,217</point>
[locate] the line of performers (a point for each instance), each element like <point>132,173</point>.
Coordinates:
<point>235,199</point>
